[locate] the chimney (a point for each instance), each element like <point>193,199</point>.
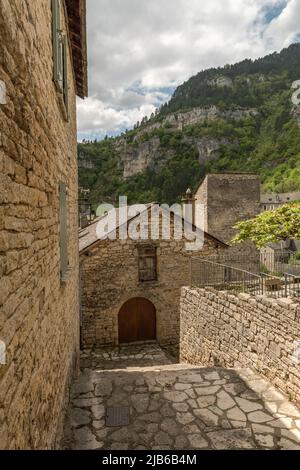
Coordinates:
<point>188,206</point>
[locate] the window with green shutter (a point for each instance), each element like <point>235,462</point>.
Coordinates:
<point>60,53</point>
<point>63,231</point>
<point>65,74</point>
<point>57,44</point>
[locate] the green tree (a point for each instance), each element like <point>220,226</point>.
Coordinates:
<point>271,226</point>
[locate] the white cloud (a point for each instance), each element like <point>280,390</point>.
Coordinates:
<point>139,50</point>
<point>284,29</point>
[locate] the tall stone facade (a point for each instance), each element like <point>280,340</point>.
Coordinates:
<point>39,311</point>
<point>109,271</point>
<point>228,198</point>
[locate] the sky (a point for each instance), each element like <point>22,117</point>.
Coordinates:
<point>141,50</point>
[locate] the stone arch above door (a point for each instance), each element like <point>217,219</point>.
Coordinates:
<point>137,321</point>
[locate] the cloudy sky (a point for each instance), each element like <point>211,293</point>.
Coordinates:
<point>140,50</point>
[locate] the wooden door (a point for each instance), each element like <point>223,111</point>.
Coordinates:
<point>137,321</point>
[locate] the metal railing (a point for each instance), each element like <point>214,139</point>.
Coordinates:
<point>207,273</point>
<point>280,263</point>
<point>292,285</point>
<point>275,264</point>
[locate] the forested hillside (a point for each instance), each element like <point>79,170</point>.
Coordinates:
<point>235,118</point>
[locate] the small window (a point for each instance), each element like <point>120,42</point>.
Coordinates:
<point>63,232</point>
<point>60,54</point>
<point>147,264</point>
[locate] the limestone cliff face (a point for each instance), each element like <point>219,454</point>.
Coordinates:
<point>86,163</point>
<point>207,147</point>
<point>221,82</point>
<point>178,121</point>
<point>137,157</point>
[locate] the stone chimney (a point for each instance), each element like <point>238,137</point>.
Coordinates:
<point>188,205</point>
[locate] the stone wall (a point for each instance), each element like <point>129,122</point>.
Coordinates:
<point>218,328</point>
<point>228,199</point>
<point>39,316</point>
<point>109,278</point>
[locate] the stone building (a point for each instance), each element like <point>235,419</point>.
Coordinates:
<point>130,289</point>
<point>272,201</point>
<point>43,65</point>
<point>228,198</point>
<point>275,254</point>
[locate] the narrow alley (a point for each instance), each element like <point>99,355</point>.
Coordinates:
<point>138,397</point>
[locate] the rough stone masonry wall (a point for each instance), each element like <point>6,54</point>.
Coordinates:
<point>228,330</point>
<point>39,319</point>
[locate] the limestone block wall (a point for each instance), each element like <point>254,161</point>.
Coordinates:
<point>217,328</point>
<point>39,316</point>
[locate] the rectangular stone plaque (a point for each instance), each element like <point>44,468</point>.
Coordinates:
<point>117,416</point>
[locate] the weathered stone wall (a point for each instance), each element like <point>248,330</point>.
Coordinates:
<point>39,319</point>
<point>218,328</point>
<point>228,199</point>
<point>109,278</point>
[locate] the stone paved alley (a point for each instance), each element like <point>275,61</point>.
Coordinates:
<point>175,406</point>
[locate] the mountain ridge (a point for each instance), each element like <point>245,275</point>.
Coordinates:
<point>235,118</point>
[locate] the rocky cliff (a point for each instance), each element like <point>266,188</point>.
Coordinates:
<point>239,118</point>
<point>137,157</point>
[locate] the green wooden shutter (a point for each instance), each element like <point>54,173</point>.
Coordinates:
<point>65,74</point>
<point>57,44</point>
<point>63,230</point>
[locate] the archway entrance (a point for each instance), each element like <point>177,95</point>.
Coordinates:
<point>137,321</point>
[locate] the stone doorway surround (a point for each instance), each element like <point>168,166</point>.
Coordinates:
<point>175,406</point>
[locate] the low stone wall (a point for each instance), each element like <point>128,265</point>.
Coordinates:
<point>228,330</point>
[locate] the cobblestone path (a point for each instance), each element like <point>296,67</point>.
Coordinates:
<point>175,406</point>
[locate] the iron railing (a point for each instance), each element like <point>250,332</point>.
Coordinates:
<point>275,264</point>
<point>207,273</point>
<point>292,285</point>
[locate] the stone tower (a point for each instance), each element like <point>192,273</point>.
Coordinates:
<point>228,198</point>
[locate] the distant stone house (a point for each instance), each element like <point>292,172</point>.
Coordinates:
<point>130,289</point>
<point>272,201</point>
<point>275,254</point>
<point>43,65</point>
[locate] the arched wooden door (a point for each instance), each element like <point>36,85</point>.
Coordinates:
<point>137,321</point>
